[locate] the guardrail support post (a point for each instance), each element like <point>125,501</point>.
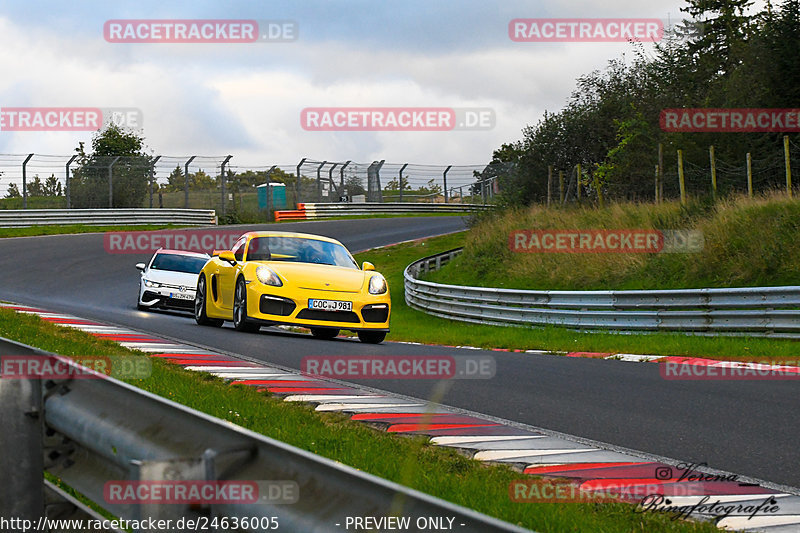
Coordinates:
<point>152,178</point>
<point>66,180</point>
<point>22,460</point>
<point>186,182</point>
<point>111,182</point>
<point>401,181</point>
<point>222,183</point>
<point>25,183</point>
<point>444,176</point>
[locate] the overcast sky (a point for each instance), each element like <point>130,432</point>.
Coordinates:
<point>246,99</point>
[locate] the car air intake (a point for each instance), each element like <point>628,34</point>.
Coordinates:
<point>273,305</point>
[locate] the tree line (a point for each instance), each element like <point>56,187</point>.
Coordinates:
<point>610,123</point>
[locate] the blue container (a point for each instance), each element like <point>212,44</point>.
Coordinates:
<point>278,192</point>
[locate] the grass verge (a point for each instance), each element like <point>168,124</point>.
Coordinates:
<point>408,460</point>
<point>410,325</point>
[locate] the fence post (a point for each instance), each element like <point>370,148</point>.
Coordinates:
<point>578,182</point>
<point>549,184</point>
<point>713,162</point>
<point>561,186</point>
<point>330,178</point>
<point>681,181</point>
<point>319,181</point>
<point>341,174</point>
<point>597,188</point>
<point>401,181</point>
<point>660,172</point>
<point>152,178</point>
<point>111,182</point>
<point>269,192</point>
<point>298,185</point>
<point>222,185</point>
<point>66,181</point>
<point>749,175</point>
<point>25,183</point>
<point>186,182</point>
<point>656,181</point>
<point>788,165</point>
<point>444,175</point>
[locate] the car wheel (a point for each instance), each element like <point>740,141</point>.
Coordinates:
<point>240,322</point>
<point>200,315</point>
<point>324,333</point>
<point>371,337</point>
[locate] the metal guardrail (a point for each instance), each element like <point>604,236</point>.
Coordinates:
<point>19,218</point>
<point>756,311</point>
<point>99,430</point>
<point>316,210</point>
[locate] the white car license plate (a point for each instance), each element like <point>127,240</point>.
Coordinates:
<point>181,295</point>
<point>330,305</point>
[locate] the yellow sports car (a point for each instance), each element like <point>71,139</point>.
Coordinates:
<point>270,278</point>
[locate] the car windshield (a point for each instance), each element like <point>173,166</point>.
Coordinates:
<point>178,263</point>
<point>299,250</point>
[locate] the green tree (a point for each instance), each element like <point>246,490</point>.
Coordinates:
<point>35,187</point>
<point>13,191</point>
<point>130,174</point>
<point>52,187</point>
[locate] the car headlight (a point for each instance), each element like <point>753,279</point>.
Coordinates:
<point>268,277</point>
<point>377,285</point>
<point>152,284</point>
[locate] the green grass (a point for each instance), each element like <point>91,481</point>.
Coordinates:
<point>77,228</point>
<point>748,243</point>
<point>410,325</point>
<point>407,460</point>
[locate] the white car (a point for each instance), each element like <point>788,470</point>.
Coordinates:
<point>169,279</point>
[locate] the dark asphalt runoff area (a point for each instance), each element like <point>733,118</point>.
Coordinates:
<point>746,427</point>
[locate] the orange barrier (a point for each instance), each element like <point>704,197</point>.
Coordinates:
<point>290,215</point>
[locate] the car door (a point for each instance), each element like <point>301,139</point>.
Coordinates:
<point>226,275</point>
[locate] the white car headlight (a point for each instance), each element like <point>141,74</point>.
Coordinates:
<point>152,284</point>
<point>268,277</point>
<point>377,285</point>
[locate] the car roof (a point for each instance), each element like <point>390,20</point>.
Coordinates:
<point>182,252</point>
<point>251,234</point>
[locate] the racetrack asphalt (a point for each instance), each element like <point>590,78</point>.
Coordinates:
<point>746,427</point>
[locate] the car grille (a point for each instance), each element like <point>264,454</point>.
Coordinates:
<point>183,304</point>
<point>328,316</point>
<point>272,305</point>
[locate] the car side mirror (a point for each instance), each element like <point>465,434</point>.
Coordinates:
<point>140,266</point>
<point>228,256</point>
<point>367,266</point>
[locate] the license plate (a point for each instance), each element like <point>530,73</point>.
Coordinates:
<point>181,295</point>
<point>330,305</point>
